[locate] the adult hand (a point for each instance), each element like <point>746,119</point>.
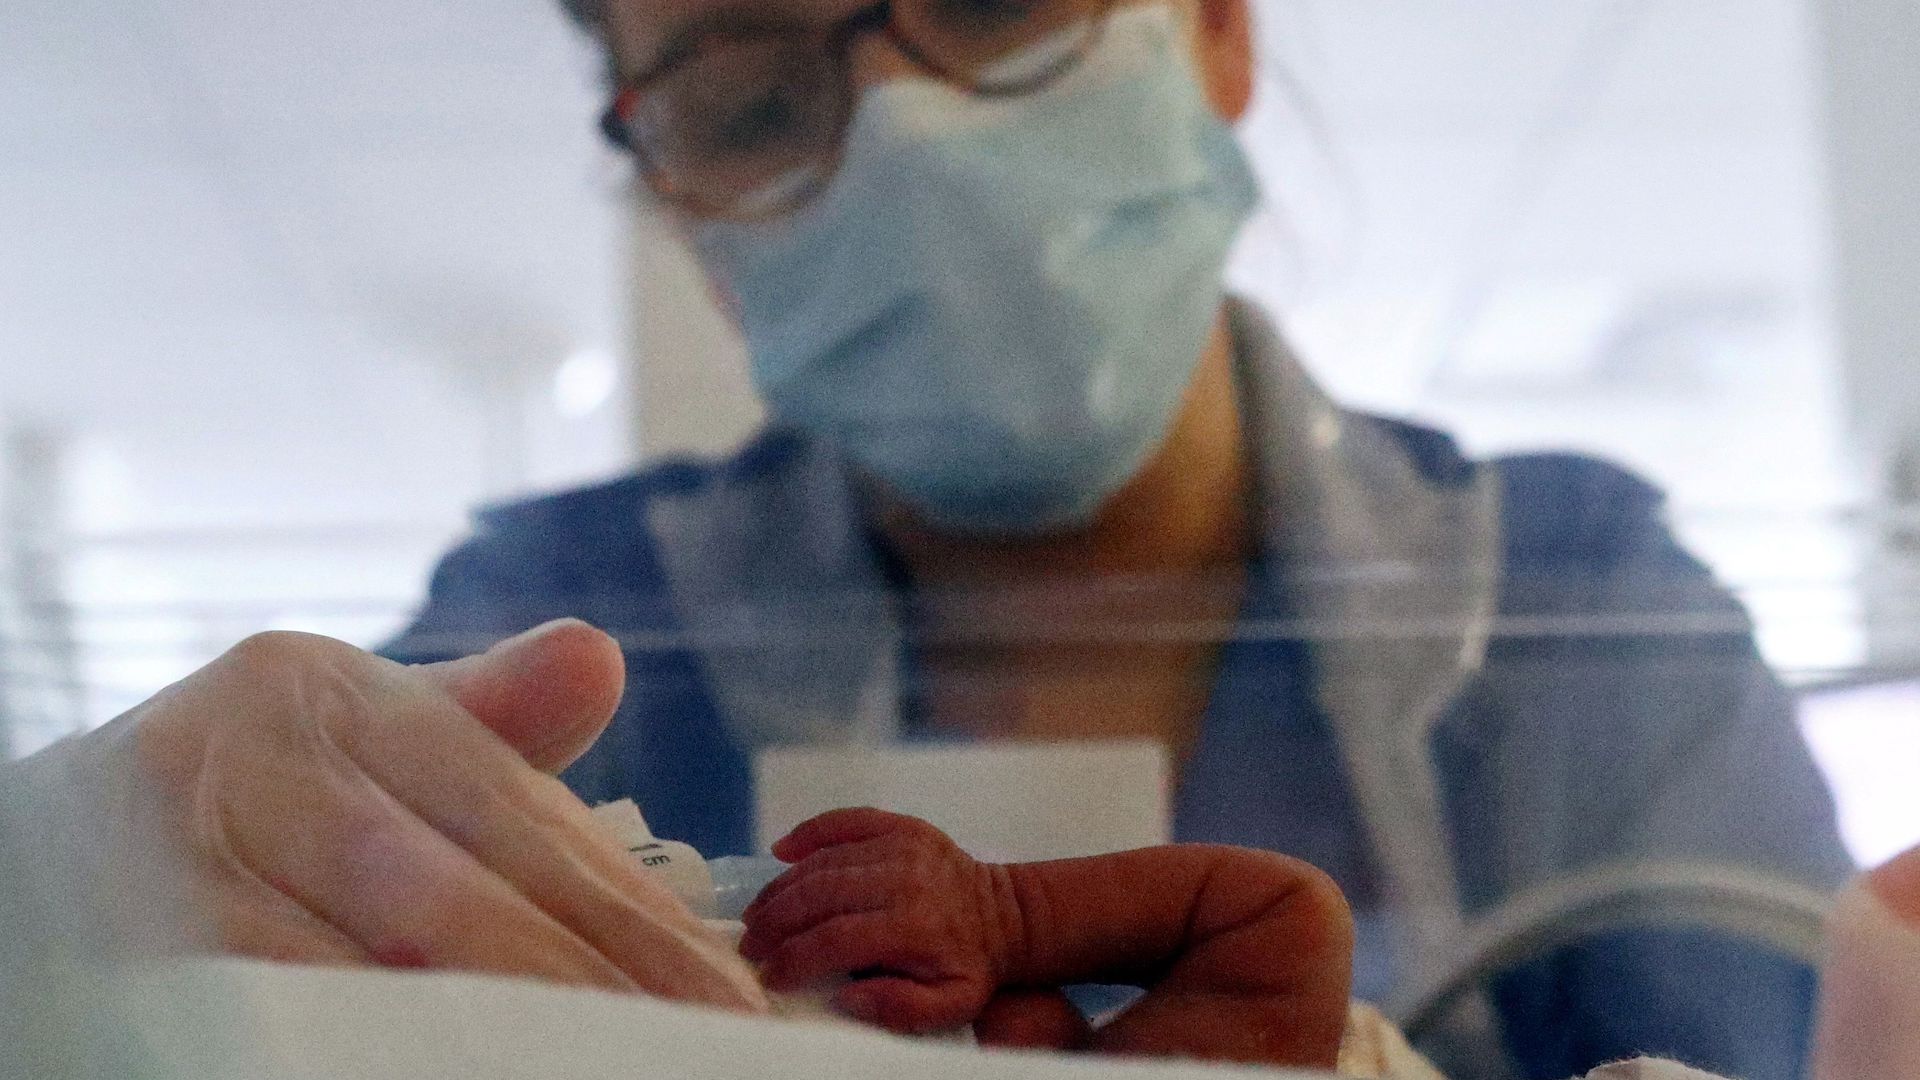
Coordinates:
<point>1897,884</point>
<point>1870,977</point>
<point>324,805</point>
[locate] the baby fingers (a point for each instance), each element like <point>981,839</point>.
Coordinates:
<point>811,899</point>
<point>881,851</point>
<point>909,1007</point>
<point>838,827</point>
<point>847,944</point>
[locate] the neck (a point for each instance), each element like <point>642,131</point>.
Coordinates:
<point>1110,631</point>
<point>1185,516</point>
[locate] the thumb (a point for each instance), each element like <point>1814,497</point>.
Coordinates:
<point>549,692</point>
<point>1898,885</point>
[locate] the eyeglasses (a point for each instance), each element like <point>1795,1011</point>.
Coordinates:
<point>746,117</point>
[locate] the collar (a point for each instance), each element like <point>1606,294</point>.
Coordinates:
<point>1393,573</point>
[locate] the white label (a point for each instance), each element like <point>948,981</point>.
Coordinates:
<point>1008,802</point>
<point>673,864</point>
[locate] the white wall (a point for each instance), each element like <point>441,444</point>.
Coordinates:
<point>694,394</point>
<point>1597,225</point>
<point>293,285</point>
<point>1872,49</point>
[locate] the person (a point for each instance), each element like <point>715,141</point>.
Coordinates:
<point>1245,951</point>
<point>301,800</point>
<point>1245,955</point>
<point>1871,990</point>
<point>1032,474</point>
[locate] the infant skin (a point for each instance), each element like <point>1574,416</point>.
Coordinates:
<point>1245,955</point>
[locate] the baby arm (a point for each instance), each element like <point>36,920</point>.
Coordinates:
<point>1246,955</point>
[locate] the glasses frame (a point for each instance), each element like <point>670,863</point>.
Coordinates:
<point>838,41</point>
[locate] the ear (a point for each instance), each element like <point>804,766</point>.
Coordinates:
<point>1223,47</point>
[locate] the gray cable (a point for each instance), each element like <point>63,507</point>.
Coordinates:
<point>1785,915</point>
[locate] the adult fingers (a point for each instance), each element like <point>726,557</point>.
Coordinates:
<point>549,692</point>
<point>1897,883</point>
<point>253,919</point>
<point>535,835</point>
<point>367,795</point>
<point>400,891</point>
<point>540,839</point>
<point>278,788</point>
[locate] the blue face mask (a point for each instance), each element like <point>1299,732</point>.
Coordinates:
<point>997,304</point>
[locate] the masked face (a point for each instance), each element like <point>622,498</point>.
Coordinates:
<point>994,303</point>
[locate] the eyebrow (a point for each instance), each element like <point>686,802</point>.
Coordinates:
<point>683,38</point>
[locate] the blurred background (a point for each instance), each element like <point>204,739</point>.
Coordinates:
<point>286,290</point>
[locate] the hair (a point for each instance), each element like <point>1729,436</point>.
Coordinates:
<point>589,15</point>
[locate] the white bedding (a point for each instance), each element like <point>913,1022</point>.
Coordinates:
<point>244,1020</point>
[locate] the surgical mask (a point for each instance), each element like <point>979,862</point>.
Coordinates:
<point>996,305</point>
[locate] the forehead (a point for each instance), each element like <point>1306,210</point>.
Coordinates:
<point>638,30</point>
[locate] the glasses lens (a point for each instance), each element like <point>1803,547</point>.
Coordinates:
<point>1000,45</point>
<point>748,125</point>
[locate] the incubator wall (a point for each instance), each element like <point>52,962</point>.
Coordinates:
<point>1511,775</point>
<point>1583,653</point>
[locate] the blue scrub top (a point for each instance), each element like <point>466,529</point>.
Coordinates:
<point>755,607</point>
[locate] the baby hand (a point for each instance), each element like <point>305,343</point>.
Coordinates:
<point>924,930</point>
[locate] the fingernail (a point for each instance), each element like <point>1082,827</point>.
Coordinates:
<point>527,637</point>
